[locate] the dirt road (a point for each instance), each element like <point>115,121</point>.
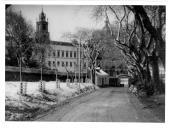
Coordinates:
<point>104,105</point>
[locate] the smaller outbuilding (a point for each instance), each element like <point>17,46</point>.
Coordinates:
<point>124,80</point>
<point>101,78</point>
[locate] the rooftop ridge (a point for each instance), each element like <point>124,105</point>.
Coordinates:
<point>61,43</point>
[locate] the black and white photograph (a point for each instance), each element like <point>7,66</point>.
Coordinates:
<point>85,63</point>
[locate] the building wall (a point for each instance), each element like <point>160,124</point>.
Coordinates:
<point>124,81</point>
<point>64,58</point>
<point>101,81</point>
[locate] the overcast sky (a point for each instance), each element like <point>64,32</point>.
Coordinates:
<point>61,18</point>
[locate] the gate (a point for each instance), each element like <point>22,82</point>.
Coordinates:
<point>113,82</point>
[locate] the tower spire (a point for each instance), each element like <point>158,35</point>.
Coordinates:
<point>42,16</point>
<point>42,9</point>
<point>42,25</point>
<point>106,18</point>
<point>107,23</point>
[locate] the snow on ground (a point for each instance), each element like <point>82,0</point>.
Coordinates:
<point>25,107</point>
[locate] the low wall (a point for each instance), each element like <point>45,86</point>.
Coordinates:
<point>15,76</point>
<point>31,74</point>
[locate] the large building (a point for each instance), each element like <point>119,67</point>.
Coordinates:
<point>63,56</point>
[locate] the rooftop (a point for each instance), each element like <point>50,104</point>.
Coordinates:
<point>61,43</point>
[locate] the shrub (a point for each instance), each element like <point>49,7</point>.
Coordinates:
<point>149,88</point>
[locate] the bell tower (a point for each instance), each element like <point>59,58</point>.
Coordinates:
<point>106,27</point>
<point>42,27</point>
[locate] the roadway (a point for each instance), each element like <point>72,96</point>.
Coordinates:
<point>103,105</point>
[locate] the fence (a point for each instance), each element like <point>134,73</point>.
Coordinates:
<point>32,74</point>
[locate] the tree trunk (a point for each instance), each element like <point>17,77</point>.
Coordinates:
<point>93,76</point>
<point>155,73</point>
<point>139,10</point>
<point>41,66</point>
<point>20,69</point>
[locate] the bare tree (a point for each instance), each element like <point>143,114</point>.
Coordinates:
<point>78,40</point>
<point>93,50</point>
<point>19,33</point>
<point>91,42</point>
<point>42,48</point>
<point>130,39</point>
<point>155,29</point>
<point>134,38</point>
<point>152,19</point>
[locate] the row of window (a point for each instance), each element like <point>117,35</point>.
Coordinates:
<point>62,64</point>
<point>62,53</point>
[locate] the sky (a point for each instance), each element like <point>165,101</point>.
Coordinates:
<point>62,18</point>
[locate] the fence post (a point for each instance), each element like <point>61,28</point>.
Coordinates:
<point>82,80</point>
<point>75,81</point>
<point>25,88</point>
<point>68,82</point>
<point>57,83</point>
<point>42,86</point>
<point>21,88</point>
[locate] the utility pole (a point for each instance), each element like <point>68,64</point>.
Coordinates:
<point>21,84</point>
<point>56,64</point>
<point>20,60</point>
<point>20,65</point>
<point>86,69</point>
<point>41,67</point>
<point>79,62</point>
<point>82,64</point>
<point>75,70</point>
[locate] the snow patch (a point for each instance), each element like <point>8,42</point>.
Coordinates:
<point>18,107</point>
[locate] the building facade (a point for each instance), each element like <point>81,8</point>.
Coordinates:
<point>64,57</point>
<point>61,56</point>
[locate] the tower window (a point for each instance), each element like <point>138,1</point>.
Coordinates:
<point>71,54</point>
<point>54,63</point>
<point>70,64</point>
<point>62,53</point>
<point>58,53</point>
<point>49,63</point>
<point>58,63</point>
<point>75,54</point>
<point>44,27</point>
<point>62,64</point>
<point>66,64</point>
<point>54,54</point>
<point>66,53</point>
